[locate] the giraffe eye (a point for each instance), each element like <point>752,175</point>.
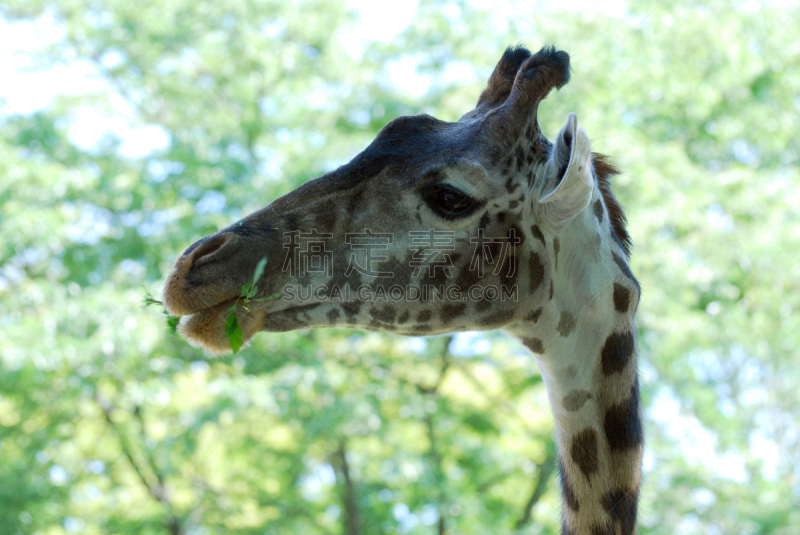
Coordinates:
<point>448,202</point>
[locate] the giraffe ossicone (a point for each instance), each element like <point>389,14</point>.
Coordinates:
<point>440,227</point>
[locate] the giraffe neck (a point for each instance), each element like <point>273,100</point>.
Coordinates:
<point>598,432</point>
<point>587,354</point>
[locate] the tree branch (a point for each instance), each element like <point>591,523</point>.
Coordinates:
<point>494,480</point>
<point>445,366</point>
<point>137,412</point>
<point>436,464</point>
<point>435,457</point>
<point>546,468</point>
<point>349,500</point>
<point>173,522</point>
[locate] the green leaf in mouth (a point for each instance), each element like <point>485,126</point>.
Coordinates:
<point>233,331</point>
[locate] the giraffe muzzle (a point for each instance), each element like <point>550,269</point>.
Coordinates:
<point>210,272</point>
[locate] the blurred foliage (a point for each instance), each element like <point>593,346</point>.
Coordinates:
<point>111,424</point>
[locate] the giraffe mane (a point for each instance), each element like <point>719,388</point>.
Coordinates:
<point>604,170</point>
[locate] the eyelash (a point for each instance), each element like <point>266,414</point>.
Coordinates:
<point>448,202</point>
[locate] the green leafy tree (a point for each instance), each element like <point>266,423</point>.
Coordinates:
<point>110,423</point>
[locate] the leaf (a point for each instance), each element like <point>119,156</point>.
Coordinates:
<point>233,331</point>
<point>231,323</point>
<point>252,292</point>
<point>148,300</point>
<point>246,288</point>
<point>172,323</point>
<point>259,270</point>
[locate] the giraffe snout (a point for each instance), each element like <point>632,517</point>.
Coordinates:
<point>209,272</point>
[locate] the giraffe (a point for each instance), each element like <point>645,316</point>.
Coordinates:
<point>490,187</point>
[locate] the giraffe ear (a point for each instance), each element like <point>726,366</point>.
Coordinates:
<point>571,165</point>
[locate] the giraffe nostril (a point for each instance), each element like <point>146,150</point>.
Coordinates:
<point>205,275</point>
<point>206,249</point>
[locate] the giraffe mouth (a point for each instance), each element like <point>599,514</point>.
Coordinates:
<point>203,286</point>
<point>205,328</point>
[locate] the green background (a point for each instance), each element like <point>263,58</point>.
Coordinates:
<point>111,424</point>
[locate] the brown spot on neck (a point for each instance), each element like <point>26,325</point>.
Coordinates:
<point>575,400</point>
<point>567,490</point>
<point>623,267</point>
<point>535,271</point>
<point>534,344</point>
<point>534,315</point>
<point>597,208</point>
<point>622,298</point>
<point>617,352</point>
<point>556,249</point>
<point>584,451</point>
<point>621,505</point>
<point>537,233</point>
<point>623,423</point>
<point>565,324</point>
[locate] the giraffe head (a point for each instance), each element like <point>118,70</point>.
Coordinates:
<point>435,227</point>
